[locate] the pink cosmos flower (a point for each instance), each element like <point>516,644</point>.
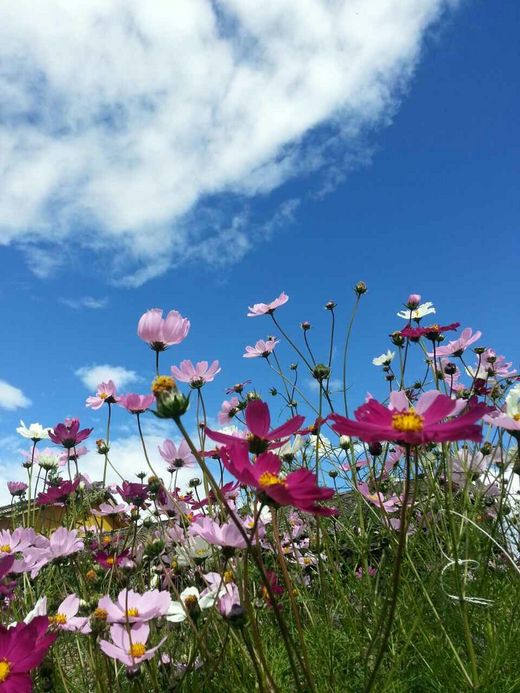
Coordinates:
<point>258,421</point>
<point>413,426</point>
<point>391,505</point>
<point>261,348</point>
<point>133,492</point>
<point>109,560</point>
<point>458,346</point>
<point>509,417</point>
<point>107,509</point>
<point>66,618</point>
<point>228,409</point>
<point>68,433</point>
<point>492,365</point>
<point>430,332</point>
<point>106,393</point>
<point>132,607</point>
<point>162,333</point>
<point>136,404</point>
<point>176,457</point>
<point>299,488</point>
<point>22,649</point>
<point>129,646</point>
<point>226,534</point>
<point>19,540</point>
<point>196,375</point>
<point>72,455</point>
<point>237,387</point>
<point>267,308</point>
<point>16,488</point>
<point>61,543</point>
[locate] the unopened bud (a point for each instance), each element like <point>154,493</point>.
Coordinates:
<point>413,301</point>
<point>360,288</point>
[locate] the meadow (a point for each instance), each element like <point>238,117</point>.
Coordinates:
<point>321,544</point>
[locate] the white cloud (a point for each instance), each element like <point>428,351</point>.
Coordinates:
<point>12,397</point>
<point>84,302</point>
<point>120,119</point>
<point>91,376</point>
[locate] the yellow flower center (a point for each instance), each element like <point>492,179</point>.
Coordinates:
<point>103,395</point>
<point>137,649</point>
<point>163,383</point>
<point>5,670</point>
<point>228,577</point>
<point>132,612</point>
<point>407,421</point>
<point>516,417</point>
<point>59,619</point>
<point>100,614</point>
<point>91,575</point>
<point>5,548</point>
<point>191,601</point>
<point>110,560</point>
<point>267,479</point>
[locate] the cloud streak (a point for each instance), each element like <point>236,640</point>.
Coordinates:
<point>12,397</point>
<point>120,119</point>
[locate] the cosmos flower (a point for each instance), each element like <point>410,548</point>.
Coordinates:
<point>58,495</point>
<point>176,457</point>
<point>509,418</point>
<point>34,432</point>
<point>107,509</point>
<point>22,648</point>
<point>384,359</point>
<point>129,645</point>
<point>430,332</point>
<point>132,607</point>
<point>196,375</point>
<point>424,423</point>
<point>191,600</point>
<point>161,333</point>
<point>417,313</point>
<point>16,488</point>
<point>261,348</point>
<point>68,434</point>
<point>66,617</point>
<point>105,394</point>
<point>458,346</point>
<point>267,308</point>
<point>136,404</point>
<point>228,409</point>
<point>225,534</point>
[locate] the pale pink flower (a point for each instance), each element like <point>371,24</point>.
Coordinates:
<point>228,409</point>
<point>105,393</point>
<point>132,607</point>
<point>226,534</point>
<point>176,457</point>
<point>492,365</point>
<point>458,346</point>
<point>16,488</point>
<point>129,646</point>
<point>66,618</point>
<point>161,333</point>
<point>261,348</point>
<point>267,308</point>
<point>60,544</point>
<point>196,375</point>
<point>136,404</point>
<point>391,505</point>
<point>107,509</point>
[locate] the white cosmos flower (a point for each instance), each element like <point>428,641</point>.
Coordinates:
<point>192,550</point>
<point>513,402</point>
<point>418,313</point>
<point>384,359</point>
<point>291,448</point>
<point>34,432</point>
<point>190,598</point>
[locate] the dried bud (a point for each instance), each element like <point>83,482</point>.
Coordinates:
<point>102,447</point>
<point>305,325</point>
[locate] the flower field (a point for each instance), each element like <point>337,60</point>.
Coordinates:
<point>321,544</point>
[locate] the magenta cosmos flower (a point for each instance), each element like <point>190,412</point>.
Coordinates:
<point>176,457</point>
<point>129,646</point>
<point>196,375</point>
<point>267,308</point>
<point>58,495</point>
<point>431,332</point>
<point>424,423</point>
<point>132,607</point>
<point>299,489</point>
<point>105,394</point>
<point>261,348</point>
<point>22,648</point>
<point>260,438</point>
<point>161,333</point>
<point>68,433</point>
<point>136,404</point>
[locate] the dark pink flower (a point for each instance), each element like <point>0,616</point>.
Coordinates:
<point>58,495</point>
<point>196,375</point>
<point>108,560</point>
<point>16,488</point>
<point>258,421</point>
<point>431,332</point>
<point>299,488</point>
<point>22,648</point>
<point>68,433</point>
<point>136,404</point>
<point>267,308</point>
<point>161,333</point>
<point>133,492</point>
<point>424,423</point>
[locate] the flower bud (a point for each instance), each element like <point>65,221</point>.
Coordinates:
<point>305,325</point>
<point>345,443</point>
<point>360,288</point>
<point>171,404</point>
<point>102,447</point>
<point>320,372</point>
<point>413,301</point>
<point>397,339</point>
<point>375,449</point>
<point>330,305</point>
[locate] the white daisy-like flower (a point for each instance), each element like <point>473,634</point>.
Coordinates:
<point>418,313</point>
<point>190,599</point>
<point>384,359</point>
<point>34,432</point>
<point>290,448</point>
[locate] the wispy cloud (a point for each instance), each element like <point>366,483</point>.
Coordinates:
<point>91,376</point>
<point>12,397</point>
<point>84,302</point>
<point>149,111</point>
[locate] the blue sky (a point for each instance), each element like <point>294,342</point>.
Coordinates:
<point>404,175</point>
